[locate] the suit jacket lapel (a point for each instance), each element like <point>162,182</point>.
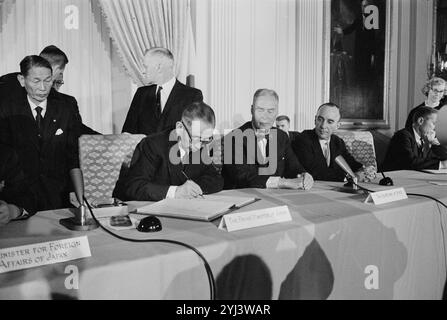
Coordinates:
<point>171,99</point>
<point>51,120</point>
<point>175,170</point>
<point>319,151</point>
<point>25,109</point>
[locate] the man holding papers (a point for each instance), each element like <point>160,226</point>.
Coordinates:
<point>256,155</point>
<point>416,147</point>
<point>174,163</point>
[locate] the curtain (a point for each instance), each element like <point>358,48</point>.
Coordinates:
<point>137,25</point>
<point>77,28</point>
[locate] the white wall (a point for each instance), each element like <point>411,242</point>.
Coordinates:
<point>243,45</point>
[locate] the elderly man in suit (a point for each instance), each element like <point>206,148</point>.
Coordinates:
<point>258,155</point>
<point>43,129</point>
<point>174,163</point>
<point>10,84</point>
<point>318,148</point>
<point>416,147</point>
<point>16,200</point>
<point>159,105</point>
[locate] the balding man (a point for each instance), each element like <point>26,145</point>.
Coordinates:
<point>159,105</point>
<point>258,155</point>
<point>317,149</point>
<point>174,164</point>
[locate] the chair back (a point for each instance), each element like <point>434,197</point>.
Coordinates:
<point>101,159</point>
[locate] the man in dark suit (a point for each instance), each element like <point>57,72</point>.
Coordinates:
<point>257,155</point>
<point>44,132</point>
<point>283,123</point>
<point>174,163</point>
<point>416,148</point>
<point>159,105</point>
<point>10,85</point>
<point>318,148</point>
<point>16,200</point>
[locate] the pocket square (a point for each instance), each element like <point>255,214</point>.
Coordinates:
<point>59,132</point>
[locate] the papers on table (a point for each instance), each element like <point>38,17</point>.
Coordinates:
<point>438,183</point>
<point>203,209</point>
<point>433,171</point>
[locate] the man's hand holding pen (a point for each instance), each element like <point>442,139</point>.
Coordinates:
<point>188,190</point>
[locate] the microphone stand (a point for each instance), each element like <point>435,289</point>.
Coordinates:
<point>80,222</point>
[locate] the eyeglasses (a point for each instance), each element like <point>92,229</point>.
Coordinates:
<point>437,91</point>
<point>58,82</point>
<point>204,141</point>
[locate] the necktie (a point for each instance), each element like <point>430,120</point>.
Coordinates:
<point>158,103</point>
<point>327,153</point>
<point>39,119</point>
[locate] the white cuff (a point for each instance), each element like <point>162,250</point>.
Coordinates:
<point>272,183</point>
<point>171,192</point>
<point>443,164</point>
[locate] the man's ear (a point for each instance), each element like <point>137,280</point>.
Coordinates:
<point>420,121</point>
<point>21,79</point>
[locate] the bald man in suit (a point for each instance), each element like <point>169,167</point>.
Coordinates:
<point>159,105</point>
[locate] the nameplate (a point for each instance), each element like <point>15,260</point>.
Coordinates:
<point>39,254</point>
<point>386,196</point>
<point>255,218</point>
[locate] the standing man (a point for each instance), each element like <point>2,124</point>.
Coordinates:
<point>10,84</point>
<point>174,164</point>
<point>283,123</point>
<point>318,148</point>
<point>159,105</point>
<point>257,155</point>
<point>43,129</point>
<point>416,147</point>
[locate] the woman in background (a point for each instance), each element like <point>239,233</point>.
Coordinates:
<point>434,90</point>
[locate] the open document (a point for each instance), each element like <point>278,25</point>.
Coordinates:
<point>207,208</point>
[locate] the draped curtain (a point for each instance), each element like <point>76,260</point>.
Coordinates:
<point>137,25</point>
<point>77,28</point>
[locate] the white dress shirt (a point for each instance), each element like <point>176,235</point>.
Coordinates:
<point>325,147</point>
<point>33,106</point>
<point>166,91</point>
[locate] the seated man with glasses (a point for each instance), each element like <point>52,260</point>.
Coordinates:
<point>174,163</point>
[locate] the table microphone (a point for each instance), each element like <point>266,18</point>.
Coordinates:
<point>80,222</point>
<point>386,181</point>
<point>352,179</point>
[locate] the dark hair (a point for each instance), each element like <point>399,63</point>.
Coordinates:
<point>283,117</point>
<point>55,56</point>
<point>198,111</point>
<point>423,112</point>
<point>33,61</point>
<point>329,104</point>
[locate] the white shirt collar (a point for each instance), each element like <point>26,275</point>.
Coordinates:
<point>417,137</point>
<point>323,142</point>
<point>33,106</point>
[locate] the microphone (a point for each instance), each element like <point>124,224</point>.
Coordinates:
<point>351,177</point>
<point>386,181</point>
<point>80,222</point>
<point>78,183</point>
<point>345,166</point>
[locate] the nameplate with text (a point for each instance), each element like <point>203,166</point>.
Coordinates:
<point>386,196</point>
<point>255,218</point>
<point>39,254</point>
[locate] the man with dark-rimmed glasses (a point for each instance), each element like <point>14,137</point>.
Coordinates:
<point>174,163</point>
